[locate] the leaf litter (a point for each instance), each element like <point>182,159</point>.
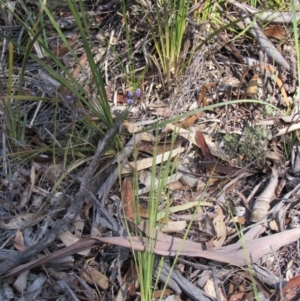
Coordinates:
<point>63,210</point>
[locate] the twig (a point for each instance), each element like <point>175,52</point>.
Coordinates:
<point>181,283</point>
<point>72,212</point>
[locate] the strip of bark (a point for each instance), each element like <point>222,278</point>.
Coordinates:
<point>72,212</point>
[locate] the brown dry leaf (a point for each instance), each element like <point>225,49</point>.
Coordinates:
<point>237,296</point>
<point>253,85</point>
<point>262,204</point>
<point>202,101</point>
<point>174,226</point>
<point>143,212</point>
<point>146,163</point>
<point>290,290</point>
<point>82,60</point>
<point>19,241</point>
<point>120,98</point>
<point>199,138</point>
<point>190,120</point>
<point>62,48</point>
<point>177,185</point>
<point>78,225</point>
<point>256,248</point>
<point>130,284</point>
<point>220,228</point>
<point>128,198</point>
<point>276,157</point>
<point>165,112</point>
<point>20,221</point>
<point>188,135</point>
<point>87,209</point>
<point>239,219</point>
<point>149,147</point>
<point>132,128</point>
<point>161,294</point>
<point>32,137</point>
<point>21,282</point>
<point>211,166</point>
<point>53,172</point>
<point>24,197</point>
<point>169,246</point>
<point>173,178</point>
<point>93,276</point>
<point>275,31</point>
<point>69,239</point>
<point>261,287</point>
<point>209,288</point>
<point>145,178</point>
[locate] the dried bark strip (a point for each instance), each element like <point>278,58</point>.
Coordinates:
<point>262,204</point>
<point>72,212</point>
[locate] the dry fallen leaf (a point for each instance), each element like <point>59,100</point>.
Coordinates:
<point>212,165</point>
<point>209,288</point>
<point>69,239</point>
<point>19,241</point>
<point>174,226</point>
<point>220,228</point>
<point>262,204</point>
<point>20,221</point>
<point>21,282</point>
<point>130,284</point>
<point>275,31</point>
<point>93,276</point>
<point>291,289</point>
<point>161,294</point>
<point>177,185</point>
<point>165,112</point>
<point>169,246</point>
<point>146,163</point>
<point>253,85</point>
<point>128,198</point>
<point>149,146</point>
<point>238,296</point>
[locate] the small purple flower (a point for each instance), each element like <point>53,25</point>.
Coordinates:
<point>129,94</point>
<point>138,92</point>
<point>129,101</point>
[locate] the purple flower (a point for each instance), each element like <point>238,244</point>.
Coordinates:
<point>138,92</point>
<point>129,101</point>
<point>129,94</point>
